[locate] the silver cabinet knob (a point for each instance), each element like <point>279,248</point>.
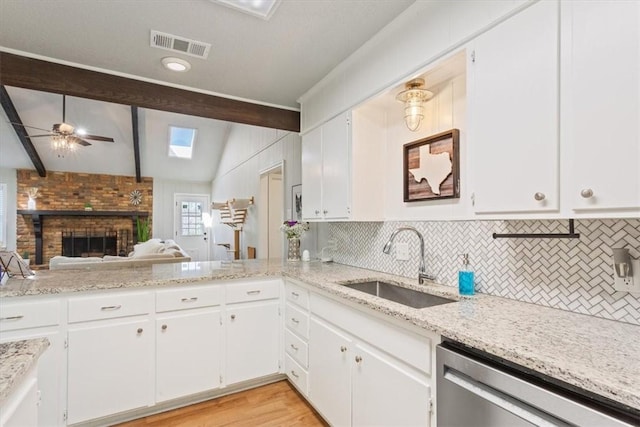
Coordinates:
<point>325,211</point>
<point>539,196</point>
<point>164,327</point>
<point>139,330</point>
<point>294,374</point>
<point>233,316</point>
<point>343,349</point>
<point>317,212</point>
<point>358,359</point>
<point>586,193</point>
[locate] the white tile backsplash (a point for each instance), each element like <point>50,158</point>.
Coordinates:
<point>569,274</point>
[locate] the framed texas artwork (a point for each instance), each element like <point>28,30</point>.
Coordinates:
<point>431,167</point>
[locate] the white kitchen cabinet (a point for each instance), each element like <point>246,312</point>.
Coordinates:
<point>514,104</point>
<point>188,353</point>
<point>330,352</point>
<point>252,340</point>
<point>366,371</point>
<point>20,408</point>
<point>601,106</point>
<point>296,335</point>
<point>111,363</point>
<point>342,162</point>
<point>29,318</point>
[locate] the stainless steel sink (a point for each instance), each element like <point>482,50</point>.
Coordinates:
<point>399,294</point>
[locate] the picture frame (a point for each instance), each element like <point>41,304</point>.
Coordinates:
<point>296,202</point>
<point>425,164</point>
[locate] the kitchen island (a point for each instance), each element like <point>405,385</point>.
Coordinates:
<point>596,355</point>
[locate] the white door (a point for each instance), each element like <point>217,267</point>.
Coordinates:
<point>513,96</point>
<point>189,230</point>
<point>271,215</point>
<point>312,174</point>
<point>336,170</point>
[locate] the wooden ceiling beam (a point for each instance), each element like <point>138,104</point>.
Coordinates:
<point>136,141</point>
<point>23,136</point>
<point>29,73</point>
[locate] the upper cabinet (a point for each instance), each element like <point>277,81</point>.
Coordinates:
<point>601,107</point>
<point>339,176</point>
<point>513,98</point>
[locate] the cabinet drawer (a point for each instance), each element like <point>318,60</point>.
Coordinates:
<point>297,295</point>
<point>22,315</point>
<point>110,306</point>
<point>297,375</point>
<point>296,348</point>
<point>253,291</point>
<point>189,297</point>
<point>296,320</point>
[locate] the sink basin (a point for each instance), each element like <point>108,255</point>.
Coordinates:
<point>399,294</point>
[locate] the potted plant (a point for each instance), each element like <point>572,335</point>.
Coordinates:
<point>88,207</point>
<point>25,257</point>
<point>294,230</point>
<point>143,229</point>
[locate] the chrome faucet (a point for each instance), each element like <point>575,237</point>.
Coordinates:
<point>422,272</point>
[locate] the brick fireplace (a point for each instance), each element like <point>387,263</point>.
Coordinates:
<point>62,197</point>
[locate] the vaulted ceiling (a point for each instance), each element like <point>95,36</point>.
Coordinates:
<point>269,62</point>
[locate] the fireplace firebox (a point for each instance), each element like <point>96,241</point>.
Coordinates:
<point>89,243</point>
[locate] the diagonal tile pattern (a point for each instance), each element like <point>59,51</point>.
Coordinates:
<point>569,274</point>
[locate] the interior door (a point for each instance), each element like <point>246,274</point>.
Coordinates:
<point>189,230</point>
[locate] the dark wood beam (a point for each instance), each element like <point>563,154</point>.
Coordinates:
<point>136,141</point>
<point>23,136</point>
<point>47,76</point>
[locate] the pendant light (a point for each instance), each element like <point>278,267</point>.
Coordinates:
<point>414,97</point>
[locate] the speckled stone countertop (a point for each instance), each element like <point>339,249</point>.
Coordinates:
<point>597,355</point>
<point>16,359</point>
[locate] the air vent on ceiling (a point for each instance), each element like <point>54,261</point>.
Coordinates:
<point>180,44</point>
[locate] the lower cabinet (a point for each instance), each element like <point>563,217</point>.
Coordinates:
<point>188,353</point>
<point>252,340</point>
<point>366,371</point>
<point>20,408</point>
<point>110,368</point>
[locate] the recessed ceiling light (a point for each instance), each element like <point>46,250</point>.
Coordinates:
<point>260,8</point>
<point>175,64</point>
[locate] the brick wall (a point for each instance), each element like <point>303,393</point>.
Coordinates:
<point>65,191</point>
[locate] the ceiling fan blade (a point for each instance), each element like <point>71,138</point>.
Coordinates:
<point>80,141</point>
<point>40,136</point>
<point>30,127</point>
<point>98,138</point>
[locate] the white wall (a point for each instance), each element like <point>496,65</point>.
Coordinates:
<point>8,176</point>
<point>163,202</point>
<point>423,33</point>
<point>249,151</point>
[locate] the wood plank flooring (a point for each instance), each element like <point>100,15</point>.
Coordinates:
<point>277,404</point>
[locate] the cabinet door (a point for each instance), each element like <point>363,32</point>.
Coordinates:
<point>110,369</point>
<point>312,174</point>
<point>514,113</point>
<point>253,345</point>
<point>188,353</point>
<point>336,170</point>
<point>330,361</point>
<point>386,394</point>
<point>603,104</point>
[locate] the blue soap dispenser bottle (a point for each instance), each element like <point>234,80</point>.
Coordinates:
<point>466,277</point>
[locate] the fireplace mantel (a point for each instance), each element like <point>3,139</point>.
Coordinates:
<point>37,216</point>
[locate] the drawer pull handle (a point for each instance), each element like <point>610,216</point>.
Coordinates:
<point>343,349</point>
<point>294,320</point>
<point>140,330</point>
<point>233,316</point>
<point>253,292</point>
<point>12,317</point>
<point>539,196</point>
<point>192,299</point>
<point>294,347</point>
<point>295,294</point>
<point>358,359</point>
<point>164,327</point>
<point>294,374</point>
<point>111,307</point>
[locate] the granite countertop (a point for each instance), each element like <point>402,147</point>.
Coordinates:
<point>597,355</point>
<point>16,359</point>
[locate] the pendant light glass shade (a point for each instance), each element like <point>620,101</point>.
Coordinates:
<point>414,97</point>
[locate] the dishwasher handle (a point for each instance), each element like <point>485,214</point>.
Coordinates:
<point>504,401</point>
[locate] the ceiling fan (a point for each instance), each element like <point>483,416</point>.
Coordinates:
<point>66,136</point>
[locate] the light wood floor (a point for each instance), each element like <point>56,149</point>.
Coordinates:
<point>277,404</point>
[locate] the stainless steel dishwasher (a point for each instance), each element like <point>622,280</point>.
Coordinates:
<point>477,389</point>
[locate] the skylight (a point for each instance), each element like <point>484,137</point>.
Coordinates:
<point>181,142</point>
<point>260,8</point>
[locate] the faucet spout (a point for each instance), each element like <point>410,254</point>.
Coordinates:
<point>422,273</point>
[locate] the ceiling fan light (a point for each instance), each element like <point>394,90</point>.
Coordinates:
<point>175,64</point>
